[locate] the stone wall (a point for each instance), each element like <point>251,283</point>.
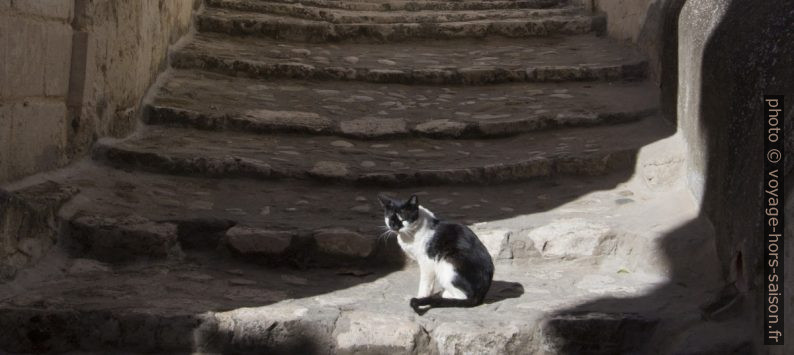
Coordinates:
<point>731,53</point>
<point>72,71</point>
<point>35,49</point>
<point>652,26</point>
<point>76,70</point>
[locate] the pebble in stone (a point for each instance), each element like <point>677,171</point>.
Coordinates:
<point>265,211</point>
<point>561,96</point>
<point>242,282</point>
<point>294,280</point>
<point>379,146</point>
<point>302,202</point>
<point>322,60</point>
<point>361,208</point>
<point>362,98</point>
<point>80,266</point>
<point>623,201</point>
<point>360,198</point>
<point>198,277</point>
<point>302,51</point>
<point>236,211</point>
<point>342,144</point>
<point>351,59</point>
<point>397,164</point>
<point>507,209</point>
<point>200,205</point>
<point>387,62</point>
<point>368,164</point>
<point>326,92</point>
<point>330,169</point>
<point>441,201</point>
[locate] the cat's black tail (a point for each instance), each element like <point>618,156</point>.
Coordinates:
<point>437,302</point>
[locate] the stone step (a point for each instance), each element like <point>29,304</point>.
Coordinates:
<point>404,162</point>
<point>460,61</point>
<point>412,5</point>
<point>341,16</point>
<point>293,29</point>
<point>217,102</point>
<point>216,306</point>
<point>121,216</point>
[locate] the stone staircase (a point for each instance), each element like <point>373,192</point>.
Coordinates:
<point>241,218</point>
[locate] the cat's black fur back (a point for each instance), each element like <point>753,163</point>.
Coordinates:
<point>459,246</point>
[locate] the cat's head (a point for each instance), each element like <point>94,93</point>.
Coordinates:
<point>399,214</point>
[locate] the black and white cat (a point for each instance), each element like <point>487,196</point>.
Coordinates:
<point>449,255</point>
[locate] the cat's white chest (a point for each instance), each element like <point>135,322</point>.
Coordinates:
<point>417,248</point>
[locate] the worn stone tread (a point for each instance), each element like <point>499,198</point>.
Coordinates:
<point>417,5</point>
<point>289,28</point>
<point>220,306</point>
<point>340,16</point>
<point>145,205</point>
<point>410,161</point>
<point>461,61</point>
<point>216,102</point>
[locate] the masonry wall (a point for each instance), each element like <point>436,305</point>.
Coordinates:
<point>731,53</point>
<point>76,70</point>
<point>652,26</point>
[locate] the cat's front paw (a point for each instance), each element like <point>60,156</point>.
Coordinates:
<point>414,303</point>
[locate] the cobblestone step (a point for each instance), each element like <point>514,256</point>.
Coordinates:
<point>497,60</point>
<point>293,29</point>
<point>216,102</point>
<point>341,16</point>
<point>402,162</point>
<point>121,216</point>
<point>216,306</point>
<point>411,5</point>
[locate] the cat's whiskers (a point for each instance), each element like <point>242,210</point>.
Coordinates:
<point>386,234</point>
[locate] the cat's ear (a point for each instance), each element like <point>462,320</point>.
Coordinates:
<point>385,201</point>
<point>413,201</point>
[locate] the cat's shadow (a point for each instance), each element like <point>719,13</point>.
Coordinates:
<point>502,290</point>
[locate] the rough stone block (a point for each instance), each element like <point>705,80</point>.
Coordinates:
<point>57,58</point>
<point>572,238</point>
<point>28,224</point>
<point>340,241</point>
<point>252,241</point>
<point>366,332</point>
<point>373,127</point>
<point>497,241</point>
<point>56,9</point>
<point>124,238</point>
<point>597,333</point>
<point>473,338</point>
<point>280,329</point>
<point>23,57</point>
<point>36,137</point>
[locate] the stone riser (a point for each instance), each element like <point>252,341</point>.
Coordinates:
<point>317,332</point>
<point>408,5</point>
<point>160,115</point>
<point>473,76</point>
<point>317,32</point>
<point>593,164</point>
<point>344,16</point>
<point>135,238</point>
